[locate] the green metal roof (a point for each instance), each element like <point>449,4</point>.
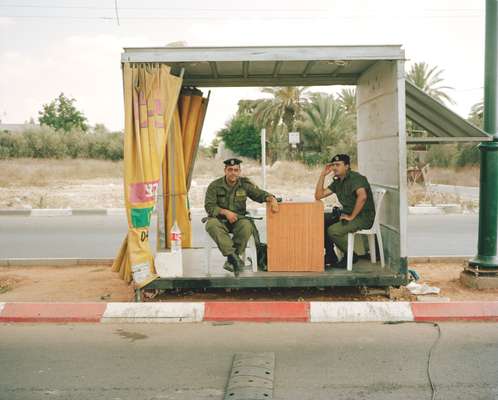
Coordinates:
<point>440,121</point>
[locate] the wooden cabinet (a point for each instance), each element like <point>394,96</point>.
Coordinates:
<point>295,237</point>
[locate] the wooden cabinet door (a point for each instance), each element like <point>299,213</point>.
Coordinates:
<point>295,237</point>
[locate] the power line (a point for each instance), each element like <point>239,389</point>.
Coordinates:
<point>193,17</point>
<point>167,8</point>
<point>185,17</point>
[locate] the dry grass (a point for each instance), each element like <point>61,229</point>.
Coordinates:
<point>81,183</point>
<point>467,176</point>
<point>43,172</point>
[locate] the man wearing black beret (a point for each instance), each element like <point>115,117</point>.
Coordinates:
<point>225,202</point>
<point>358,210</point>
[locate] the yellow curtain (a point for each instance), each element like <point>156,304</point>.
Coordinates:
<point>150,94</point>
<point>179,161</point>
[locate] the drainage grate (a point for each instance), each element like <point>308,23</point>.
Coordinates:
<point>251,377</point>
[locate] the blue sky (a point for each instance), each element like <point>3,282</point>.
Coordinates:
<point>48,47</point>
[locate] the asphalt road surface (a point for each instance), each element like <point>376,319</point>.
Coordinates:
<point>95,236</point>
<point>193,361</point>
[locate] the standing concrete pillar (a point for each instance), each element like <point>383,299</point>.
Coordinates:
<point>488,194</point>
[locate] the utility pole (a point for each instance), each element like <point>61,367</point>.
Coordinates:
<point>263,157</point>
<point>486,259</point>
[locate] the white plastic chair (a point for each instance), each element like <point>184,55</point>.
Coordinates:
<point>209,244</point>
<point>374,231</point>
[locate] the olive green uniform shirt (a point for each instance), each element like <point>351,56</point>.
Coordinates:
<point>346,193</point>
<point>220,195</point>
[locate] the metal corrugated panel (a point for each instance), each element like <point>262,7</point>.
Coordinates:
<point>438,120</point>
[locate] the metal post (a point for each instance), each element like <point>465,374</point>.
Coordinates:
<point>263,156</point>
<point>488,193</point>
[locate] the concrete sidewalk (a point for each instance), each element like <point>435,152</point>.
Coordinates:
<point>254,311</point>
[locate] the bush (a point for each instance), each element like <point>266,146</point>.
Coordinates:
<point>45,142</point>
<point>242,137</point>
<point>468,154</point>
<point>314,158</point>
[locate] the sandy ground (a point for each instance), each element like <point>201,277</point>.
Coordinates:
<point>100,284</point>
<point>59,284</point>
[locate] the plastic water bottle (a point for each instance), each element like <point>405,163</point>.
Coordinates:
<point>176,238</point>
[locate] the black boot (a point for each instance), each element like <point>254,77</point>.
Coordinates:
<point>344,262</point>
<point>236,263</point>
<point>330,256</point>
<point>227,266</point>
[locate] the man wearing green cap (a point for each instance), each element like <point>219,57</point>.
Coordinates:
<point>225,204</point>
<point>358,210</point>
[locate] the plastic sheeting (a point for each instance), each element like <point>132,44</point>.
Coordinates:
<point>150,96</point>
<point>179,162</point>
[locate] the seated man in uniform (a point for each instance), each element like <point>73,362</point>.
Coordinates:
<point>225,204</point>
<point>358,210</point>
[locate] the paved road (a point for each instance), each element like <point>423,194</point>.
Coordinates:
<point>187,361</point>
<point>100,236</point>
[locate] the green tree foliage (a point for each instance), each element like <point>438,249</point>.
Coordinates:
<point>324,124</point>
<point>476,115</point>
<point>285,107</point>
<point>62,115</point>
<point>328,126</point>
<point>347,99</point>
<point>468,153</point>
<point>242,137</point>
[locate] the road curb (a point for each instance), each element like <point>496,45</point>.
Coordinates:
<point>439,259</point>
<point>257,311</point>
<point>61,212</point>
<point>64,212</point>
<point>54,262</point>
<point>68,262</point>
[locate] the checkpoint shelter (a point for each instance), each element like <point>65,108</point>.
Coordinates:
<point>165,109</point>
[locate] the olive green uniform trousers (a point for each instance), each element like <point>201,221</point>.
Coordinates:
<point>220,231</point>
<point>338,232</point>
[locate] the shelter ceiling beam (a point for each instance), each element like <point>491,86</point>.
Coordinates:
<point>214,69</point>
<point>442,140</point>
<point>308,67</point>
<point>276,69</point>
<point>282,80</point>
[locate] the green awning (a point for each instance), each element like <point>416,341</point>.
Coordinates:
<point>444,124</point>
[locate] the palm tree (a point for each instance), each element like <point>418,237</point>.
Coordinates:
<point>347,99</point>
<point>325,123</point>
<point>476,115</point>
<point>285,106</point>
<point>429,80</point>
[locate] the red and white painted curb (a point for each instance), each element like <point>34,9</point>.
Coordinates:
<point>254,311</point>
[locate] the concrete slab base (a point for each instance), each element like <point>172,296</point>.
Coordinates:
<point>479,282</point>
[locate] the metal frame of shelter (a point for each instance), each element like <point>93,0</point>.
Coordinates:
<point>384,100</point>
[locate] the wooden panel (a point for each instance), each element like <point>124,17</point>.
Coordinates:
<point>295,237</point>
